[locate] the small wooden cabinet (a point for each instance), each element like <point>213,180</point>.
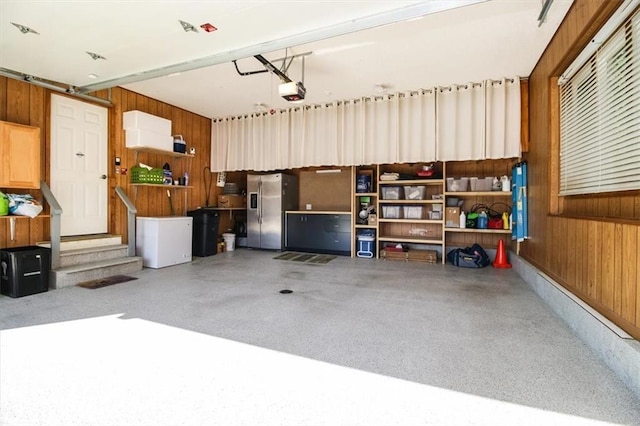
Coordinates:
<point>20,154</point>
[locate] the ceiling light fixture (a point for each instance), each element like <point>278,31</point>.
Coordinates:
<point>208,27</point>
<point>187,27</point>
<point>92,76</point>
<point>380,89</point>
<point>24,29</point>
<point>95,56</point>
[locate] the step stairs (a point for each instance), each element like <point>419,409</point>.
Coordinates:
<point>88,258</point>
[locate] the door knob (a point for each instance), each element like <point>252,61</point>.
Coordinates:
<point>79,154</point>
<point>103,177</point>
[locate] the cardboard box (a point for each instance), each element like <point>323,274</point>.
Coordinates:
<point>231,201</point>
<point>452,217</point>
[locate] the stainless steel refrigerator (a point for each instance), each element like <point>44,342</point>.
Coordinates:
<point>269,196</point>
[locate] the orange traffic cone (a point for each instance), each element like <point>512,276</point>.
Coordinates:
<point>501,257</point>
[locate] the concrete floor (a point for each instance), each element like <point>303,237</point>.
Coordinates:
<point>358,342</point>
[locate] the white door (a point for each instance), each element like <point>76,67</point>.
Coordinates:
<point>79,164</point>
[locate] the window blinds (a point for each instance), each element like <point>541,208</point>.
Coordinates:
<point>600,117</point>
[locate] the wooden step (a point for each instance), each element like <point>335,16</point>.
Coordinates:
<point>92,254</point>
<point>85,241</point>
<point>71,275</point>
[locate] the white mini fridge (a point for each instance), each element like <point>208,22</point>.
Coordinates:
<point>164,241</point>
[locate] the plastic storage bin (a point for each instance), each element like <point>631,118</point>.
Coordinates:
<point>480,184</point>
<point>457,185</point>
<point>391,192</point>
<point>25,270</point>
<point>414,192</point>
<point>391,212</point>
<point>412,212</point>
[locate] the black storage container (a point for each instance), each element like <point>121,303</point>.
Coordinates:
<point>205,232</point>
<point>25,270</point>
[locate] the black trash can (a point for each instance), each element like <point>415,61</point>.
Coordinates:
<point>25,270</point>
<point>205,232</point>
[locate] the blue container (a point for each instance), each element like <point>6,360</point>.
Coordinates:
<point>365,246</point>
<point>483,221</point>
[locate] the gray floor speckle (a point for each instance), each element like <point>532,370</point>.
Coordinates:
<point>358,341</point>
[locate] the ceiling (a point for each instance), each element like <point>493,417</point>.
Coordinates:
<point>351,49</point>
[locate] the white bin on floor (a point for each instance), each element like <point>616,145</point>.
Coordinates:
<point>229,241</point>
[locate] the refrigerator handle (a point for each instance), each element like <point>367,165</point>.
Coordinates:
<point>260,202</point>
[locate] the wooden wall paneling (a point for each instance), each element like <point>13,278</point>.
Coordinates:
<point>18,98</point>
<point>22,232</point>
<point>630,280</point>
<point>4,233</point>
<point>618,255</point>
<point>627,206</point>
<point>36,230</point>
<point>571,249</point>
<point>593,259</point>
<point>607,276</point>
<point>3,98</point>
<point>118,223</point>
<point>558,257</point>
<point>578,253</point>
<point>637,280</point>
<point>325,191</point>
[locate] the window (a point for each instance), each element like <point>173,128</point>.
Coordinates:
<point>600,117</point>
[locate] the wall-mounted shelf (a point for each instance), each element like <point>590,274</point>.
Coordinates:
<point>479,194</point>
<point>479,231</point>
<point>172,154</point>
<point>398,182</point>
<point>161,152</point>
<point>160,185</point>
<point>11,216</point>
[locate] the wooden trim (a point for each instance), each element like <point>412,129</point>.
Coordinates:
<point>615,220</point>
<point>524,115</point>
<point>555,201</point>
<point>627,326</point>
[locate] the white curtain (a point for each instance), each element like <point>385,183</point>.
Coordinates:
<point>460,122</point>
<point>381,130</point>
<point>417,128</point>
<point>321,135</point>
<point>219,145</point>
<point>296,139</point>
<point>503,119</point>
<point>350,133</point>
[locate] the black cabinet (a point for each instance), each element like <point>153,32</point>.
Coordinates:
<point>205,232</point>
<point>319,233</point>
<point>25,270</point>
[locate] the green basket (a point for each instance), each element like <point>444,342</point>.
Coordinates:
<point>4,205</point>
<point>143,175</point>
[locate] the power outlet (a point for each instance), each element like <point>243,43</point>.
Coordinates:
<point>308,206</point>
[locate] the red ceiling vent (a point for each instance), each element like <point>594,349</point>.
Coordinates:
<point>208,27</point>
